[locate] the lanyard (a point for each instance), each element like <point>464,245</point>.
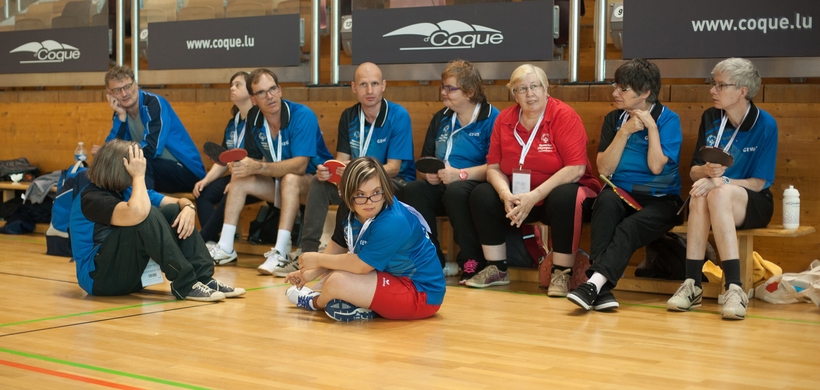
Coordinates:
<point>626,116</point>
<point>364,144</point>
<point>454,131</point>
<point>725,118</point>
<point>349,238</point>
<point>241,135</point>
<point>526,148</point>
<point>276,155</point>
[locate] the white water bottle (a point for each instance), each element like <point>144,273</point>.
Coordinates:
<point>79,153</point>
<point>791,208</point>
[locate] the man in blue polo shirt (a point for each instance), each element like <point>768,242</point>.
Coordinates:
<point>287,136</point>
<point>174,163</point>
<point>372,127</point>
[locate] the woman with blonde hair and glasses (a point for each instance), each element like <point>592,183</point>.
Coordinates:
<point>459,136</point>
<point>380,259</point>
<point>537,171</point>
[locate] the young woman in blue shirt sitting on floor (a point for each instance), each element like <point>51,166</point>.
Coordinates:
<point>380,259</point>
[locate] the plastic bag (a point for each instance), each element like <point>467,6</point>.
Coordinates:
<point>792,287</point>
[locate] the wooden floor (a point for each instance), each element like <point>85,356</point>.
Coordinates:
<point>53,335</point>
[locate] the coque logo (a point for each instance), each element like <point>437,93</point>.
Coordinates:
<point>48,51</point>
<point>450,34</point>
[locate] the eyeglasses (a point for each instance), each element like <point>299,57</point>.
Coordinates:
<point>375,198</point>
<point>619,89</point>
<point>118,90</point>
<point>524,90</point>
<point>263,94</point>
<point>448,88</point>
<point>719,86</point>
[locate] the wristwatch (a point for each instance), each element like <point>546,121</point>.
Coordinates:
<point>726,180</point>
<point>462,174</point>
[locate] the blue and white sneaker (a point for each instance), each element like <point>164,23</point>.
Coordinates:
<point>302,298</point>
<point>343,311</point>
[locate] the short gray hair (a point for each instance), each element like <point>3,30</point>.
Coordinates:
<point>742,72</point>
<point>523,70</point>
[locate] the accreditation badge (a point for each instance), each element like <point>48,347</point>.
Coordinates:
<point>520,181</point>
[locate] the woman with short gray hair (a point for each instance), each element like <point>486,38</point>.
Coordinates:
<point>732,169</point>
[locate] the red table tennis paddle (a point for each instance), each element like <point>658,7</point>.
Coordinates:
<point>623,195</point>
<point>222,156</point>
<point>429,165</point>
<point>332,166</point>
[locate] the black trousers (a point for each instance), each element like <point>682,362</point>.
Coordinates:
<point>124,255</point>
<point>452,200</point>
<point>564,210</point>
<point>618,230</point>
<point>168,176</point>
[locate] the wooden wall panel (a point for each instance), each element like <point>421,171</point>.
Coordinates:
<point>82,96</point>
<point>790,93</point>
<point>691,93</point>
<point>8,97</point>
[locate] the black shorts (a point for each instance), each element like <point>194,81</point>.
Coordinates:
<point>759,209</point>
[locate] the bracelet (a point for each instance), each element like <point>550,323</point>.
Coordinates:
<point>191,205</point>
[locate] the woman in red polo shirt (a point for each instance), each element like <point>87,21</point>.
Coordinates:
<point>537,170</point>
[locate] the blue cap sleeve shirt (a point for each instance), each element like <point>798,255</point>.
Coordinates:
<point>470,143</point>
<point>392,137</point>
<point>633,173</point>
<point>299,133</point>
<point>754,148</point>
<point>90,225</point>
<point>396,242</point>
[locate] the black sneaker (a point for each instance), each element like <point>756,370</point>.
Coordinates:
<point>584,295</point>
<point>605,301</point>
<point>203,293</point>
<point>230,292</point>
<point>344,311</point>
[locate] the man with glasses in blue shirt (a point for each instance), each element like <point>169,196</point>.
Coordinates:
<point>285,146</point>
<point>173,161</point>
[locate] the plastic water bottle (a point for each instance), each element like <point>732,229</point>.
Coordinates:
<point>79,153</point>
<point>791,208</point>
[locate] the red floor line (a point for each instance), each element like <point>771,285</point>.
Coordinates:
<point>67,376</point>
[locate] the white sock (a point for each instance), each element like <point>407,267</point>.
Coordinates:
<point>283,242</point>
<point>226,239</point>
<point>598,280</point>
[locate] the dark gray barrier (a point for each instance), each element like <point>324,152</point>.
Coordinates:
<point>225,43</point>
<point>78,49</point>
<point>476,32</point>
<point>719,29</point>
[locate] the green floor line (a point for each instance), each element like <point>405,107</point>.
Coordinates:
<point>86,313</point>
<point>100,369</point>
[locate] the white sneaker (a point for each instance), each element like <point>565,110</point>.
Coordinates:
<point>736,301</point>
<point>559,283</point>
<point>292,256</point>
<point>293,293</point>
<point>220,256</point>
<point>450,268</point>
<point>283,269</point>
<point>211,244</point>
<point>272,260</point>
<point>686,298</point>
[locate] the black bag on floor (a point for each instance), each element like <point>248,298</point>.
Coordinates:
<point>265,227</point>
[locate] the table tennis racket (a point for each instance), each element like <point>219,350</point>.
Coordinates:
<point>429,165</point>
<point>716,156</point>
<point>332,166</point>
<point>222,156</point>
<point>623,195</point>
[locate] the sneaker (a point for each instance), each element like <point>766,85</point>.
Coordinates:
<point>736,301</point>
<point>272,260</point>
<point>283,269</point>
<point>230,292</point>
<point>292,256</point>
<point>211,244</point>
<point>343,311</point>
<point>687,297</point>
<point>559,281</point>
<point>489,276</point>
<point>220,256</point>
<point>302,297</point>
<point>450,269</point>
<point>605,301</point>
<point>584,295</point>
<point>203,293</point>
<point>470,269</point>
